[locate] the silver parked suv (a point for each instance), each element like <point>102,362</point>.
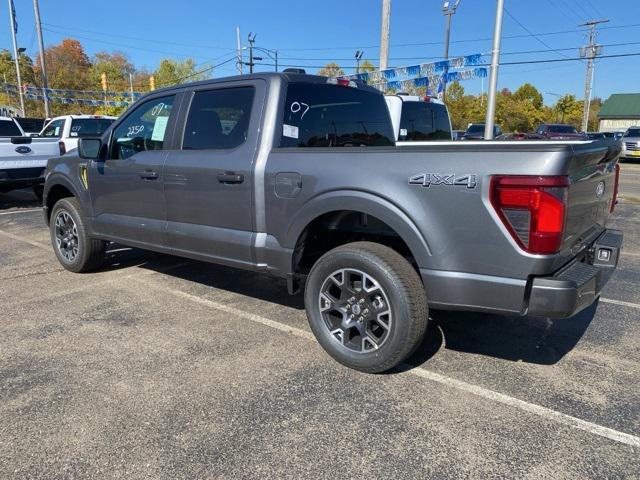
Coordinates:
<point>631,144</point>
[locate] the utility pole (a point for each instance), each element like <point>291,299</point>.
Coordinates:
<point>384,34</point>
<point>131,86</point>
<point>448,10</point>
<point>359,54</point>
<point>252,41</point>
<point>14,31</point>
<point>43,65</point>
<point>589,52</point>
<point>493,76</point>
<point>239,51</point>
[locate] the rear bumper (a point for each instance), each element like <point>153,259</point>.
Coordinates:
<point>579,284</point>
<point>561,295</point>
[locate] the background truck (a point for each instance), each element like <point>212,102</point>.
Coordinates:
<point>298,176</point>
<point>417,119</point>
<point>23,159</point>
<point>69,128</point>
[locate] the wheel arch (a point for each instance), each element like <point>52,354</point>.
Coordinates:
<point>57,187</point>
<point>362,203</point>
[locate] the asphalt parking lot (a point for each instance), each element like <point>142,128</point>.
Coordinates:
<point>160,367</point>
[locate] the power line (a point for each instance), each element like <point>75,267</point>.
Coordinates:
<point>533,34</point>
<point>164,42</point>
<point>524,62</point>
<point>470,40</point>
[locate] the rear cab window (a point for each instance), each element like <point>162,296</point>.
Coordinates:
<point>424,121</point>
<point>89,127</point>
<point>9,129</point>
<point>328,115</point>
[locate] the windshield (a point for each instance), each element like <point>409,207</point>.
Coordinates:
<point>633,132</point>
<point>561,129</point>
<point>9,129</point>
<point>477,128</point>
<point>325,115</point>
<point>89,127</point>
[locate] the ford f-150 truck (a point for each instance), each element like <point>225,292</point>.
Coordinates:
<point>298,176</point>
<point>23,159</point>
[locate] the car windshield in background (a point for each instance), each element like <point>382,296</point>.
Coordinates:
<point>89,127</point>
<point>633,132</point>
<point>9,129</point>
<point>424,121</point>
<point>476,129</point>
<point>561,129</point>
<point>325,115</point>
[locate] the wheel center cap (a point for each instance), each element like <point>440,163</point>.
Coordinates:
<point>356,309</point>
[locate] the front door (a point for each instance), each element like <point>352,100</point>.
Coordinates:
<point>127,187</point>
<point>208,182</point>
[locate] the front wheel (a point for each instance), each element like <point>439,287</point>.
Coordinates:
<point>366,306</point>
<point>75,250</point>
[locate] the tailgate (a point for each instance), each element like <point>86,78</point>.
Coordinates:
<point>592,176</point>
<point>25,152</point>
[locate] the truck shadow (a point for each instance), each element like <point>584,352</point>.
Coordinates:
<point>18,199</point>
<point>527,339</point>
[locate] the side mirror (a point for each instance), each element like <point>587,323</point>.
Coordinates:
<point>89,148</point>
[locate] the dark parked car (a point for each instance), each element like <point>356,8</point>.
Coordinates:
<point>475,131</point>
<point>297,176</point>
<point>559,131</point>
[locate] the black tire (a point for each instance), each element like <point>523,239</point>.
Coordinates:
<point>383,270</point>
<point>89,252</point>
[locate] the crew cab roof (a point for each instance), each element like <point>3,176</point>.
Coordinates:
<point>288,77</point>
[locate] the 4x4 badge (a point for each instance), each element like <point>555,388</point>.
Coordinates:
<point>430,179</point>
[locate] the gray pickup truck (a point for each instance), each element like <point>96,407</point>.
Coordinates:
<point>298,176</point>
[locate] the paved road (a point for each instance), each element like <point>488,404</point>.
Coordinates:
<point>158,367</point>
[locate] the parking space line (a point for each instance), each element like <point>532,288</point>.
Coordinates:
<point>13,212</point>
<point>543,412</point>
<point>25,240</point>
<point>620,302</point>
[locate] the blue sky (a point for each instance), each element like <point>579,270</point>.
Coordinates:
<point>314,33</point>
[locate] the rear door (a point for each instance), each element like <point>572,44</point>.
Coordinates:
<point>127,187</point>
<point>208,181</point>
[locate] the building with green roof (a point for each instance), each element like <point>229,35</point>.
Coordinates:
<point>619,112</point>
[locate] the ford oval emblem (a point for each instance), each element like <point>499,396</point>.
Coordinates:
<point>23,149</point>
<point>599,189</point>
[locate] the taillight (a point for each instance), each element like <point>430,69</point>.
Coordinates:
<point>533,209</point>
<point>62,148</point>
<point>614,200</point>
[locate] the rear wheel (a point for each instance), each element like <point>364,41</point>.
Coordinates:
<point>76,251</point>
<point>366,306</point>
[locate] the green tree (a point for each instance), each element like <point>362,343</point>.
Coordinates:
<point>367,66</point>
<point>172,72</point>
<point>529,93</point>
<point>116,66</point>
<point>331,70</point>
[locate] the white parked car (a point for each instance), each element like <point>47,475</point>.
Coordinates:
<point>68,128</point>
<point>418,119</point>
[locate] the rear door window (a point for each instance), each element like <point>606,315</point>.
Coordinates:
<point>424,121</point>
<point>325,115</point>
<point>89,127</point>
<point>218,119</point>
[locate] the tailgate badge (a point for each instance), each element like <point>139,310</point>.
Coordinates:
<point>600,189</point>
<point>23,149</point>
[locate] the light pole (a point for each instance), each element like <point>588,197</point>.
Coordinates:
<point>493,77</point>
<point>359,54</point>
<point>43,65</point>
<point>14,31</point>
<point>252,41</point>
<point>448,10</point>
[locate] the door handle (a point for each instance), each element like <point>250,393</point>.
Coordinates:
<point>230,177</point>
<point>149,175</point>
